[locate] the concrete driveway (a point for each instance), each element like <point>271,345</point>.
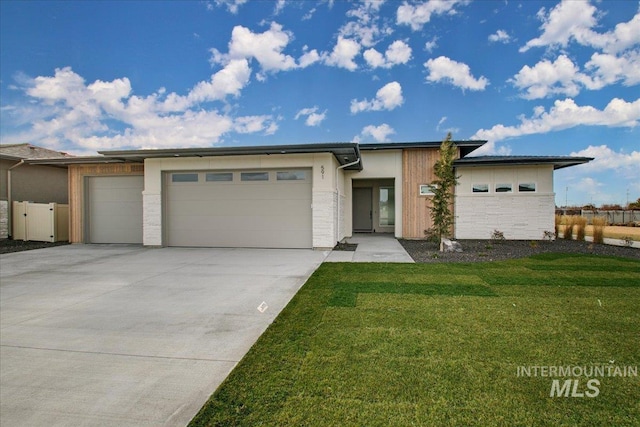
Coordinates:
<point>125,335</point>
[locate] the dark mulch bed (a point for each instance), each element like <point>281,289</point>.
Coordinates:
<point>8,245</point>
<point>487,250</point>
<point>343,246</point>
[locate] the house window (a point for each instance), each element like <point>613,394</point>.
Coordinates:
<point>427,189</point>
<point>254,176</point>
<point>291,176</point>
<point>504,188</point>
<point>480,188</point>
<point>184,177</point>
<point>219,177</point>
<point>527,187</point>
<point>387,207</point>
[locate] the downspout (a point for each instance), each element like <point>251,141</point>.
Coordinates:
<point>337,235</point>
<point>10,200</point>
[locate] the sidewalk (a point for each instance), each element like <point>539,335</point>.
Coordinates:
<point>372,248</point>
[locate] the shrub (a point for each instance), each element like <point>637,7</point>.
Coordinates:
<point>497,236</point>
<point>569,222</point>
<point>558,222</point>
<point>599,222</point>
<point>627,240</point>
<point>581,227</point>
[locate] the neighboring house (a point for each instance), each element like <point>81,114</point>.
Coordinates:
<point>20,181</point>
<point>297,196</point>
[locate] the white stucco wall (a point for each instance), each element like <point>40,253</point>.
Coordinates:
<point>324,193</point>
<point>383,164</point>
<point>519,215</point>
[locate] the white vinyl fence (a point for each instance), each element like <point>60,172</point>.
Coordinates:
<point>42,222</point>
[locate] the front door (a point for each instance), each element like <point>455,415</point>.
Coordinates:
<point>362,209</point>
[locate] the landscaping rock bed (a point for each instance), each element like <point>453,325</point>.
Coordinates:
<point>8,245</point>
<point>489,250</point>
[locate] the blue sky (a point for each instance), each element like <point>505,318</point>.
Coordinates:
<point>539,78</point>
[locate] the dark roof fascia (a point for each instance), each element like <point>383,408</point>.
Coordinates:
<point>558,162</point>
<point>345,153</point>
<point>66,161</point>
<point>466,146</point>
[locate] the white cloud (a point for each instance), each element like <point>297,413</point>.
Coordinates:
<point>607,69</point>
<point>364,28</point>
<point>418,15</point>
<point>564,77</point>
<point>397,53</point>
<point>266,48</point>
<point>388,97</point>
<point>77,117</point>
<point>456,73</point>
<point>565,114</point>
<point>431,44</point>
<point>549,78</point>
<point>280,4</point>
<point>378,133</point>
<point>343,54</point>
<point>568,20</point>
<point>573,20</point>
<point>230,80</point>
<point>232,5</point>
<point>607,159</point>
<point>500,36</point>
<point>308,58</point>
<point>313,117</point>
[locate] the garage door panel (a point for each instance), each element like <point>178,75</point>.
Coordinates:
<point>114,209</point>
<point>239,214</point>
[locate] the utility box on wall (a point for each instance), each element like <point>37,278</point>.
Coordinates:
<point>42,222</point>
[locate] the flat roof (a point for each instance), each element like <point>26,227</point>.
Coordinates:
<point>344,152</point>
<point>558,162</point>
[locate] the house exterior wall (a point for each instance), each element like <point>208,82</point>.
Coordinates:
<point>519,215</point>
<point>77,174</point>
<point>34,183</point>
<point>324,188</point>
<point>378,165</point>
<point>417,164</point>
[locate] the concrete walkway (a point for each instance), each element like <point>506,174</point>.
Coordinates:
<point>372,248</point>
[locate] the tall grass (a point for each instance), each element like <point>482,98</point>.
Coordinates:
<point>599,222</point>
<point>581,227</point>
<point>557,225</point>
<point>569,222</point>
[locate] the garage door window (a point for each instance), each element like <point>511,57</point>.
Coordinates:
<point>220,177</point>
<point>184,177</point>
<point>291,176</point>
<point>254,176</point>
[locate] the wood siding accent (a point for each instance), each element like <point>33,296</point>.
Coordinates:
<point>77,173</point>
<point>417,169</point>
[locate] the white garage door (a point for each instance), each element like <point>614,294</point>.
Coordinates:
<point>253,209</point>
<point>114,209</point>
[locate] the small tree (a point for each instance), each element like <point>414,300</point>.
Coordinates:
<point>445,181</point>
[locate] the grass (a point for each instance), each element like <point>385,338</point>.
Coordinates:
<point>598,226</point>
<point>612,231</point>
<point>440,344</point>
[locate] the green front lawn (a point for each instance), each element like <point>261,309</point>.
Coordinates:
<point>441,344</point>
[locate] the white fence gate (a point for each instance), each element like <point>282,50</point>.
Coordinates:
<point>42,222</point>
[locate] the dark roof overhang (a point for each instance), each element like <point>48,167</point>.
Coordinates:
<point>344,153</point>
<point>466,146</point>
<point>558,162</point>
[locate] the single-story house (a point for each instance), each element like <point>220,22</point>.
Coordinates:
<point>300,196</point>
<point>20,181</point>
